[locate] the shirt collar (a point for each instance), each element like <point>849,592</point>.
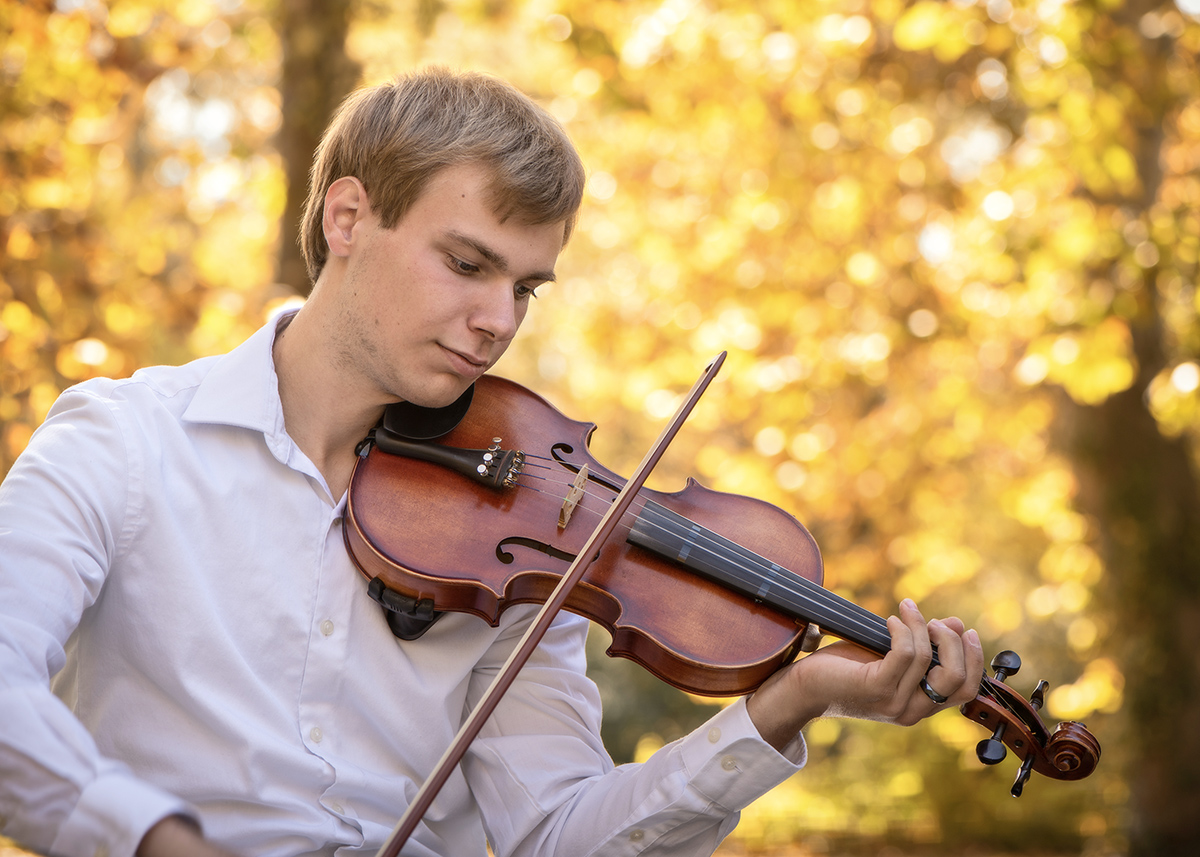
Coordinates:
<point>241,389</point>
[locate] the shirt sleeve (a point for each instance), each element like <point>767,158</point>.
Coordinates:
<point>546,785</point>
<point>64,513</point>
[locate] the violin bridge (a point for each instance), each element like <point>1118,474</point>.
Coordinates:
<point>574,494</point>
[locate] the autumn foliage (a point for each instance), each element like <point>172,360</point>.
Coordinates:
<point>950,247</point>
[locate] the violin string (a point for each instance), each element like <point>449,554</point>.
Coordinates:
<point>757,572</point>
<point>795,585</point>
<point>872,621</point>
<point>754,569</point>
<point>810,593</point>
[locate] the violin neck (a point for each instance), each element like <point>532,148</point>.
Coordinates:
<point>740,570</point>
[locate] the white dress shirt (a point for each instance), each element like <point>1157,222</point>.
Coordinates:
<point>173,565</point>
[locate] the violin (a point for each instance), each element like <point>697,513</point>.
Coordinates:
<point>711,592</point>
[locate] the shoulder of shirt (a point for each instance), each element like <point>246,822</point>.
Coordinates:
<point>237,389</point>
<point>161,384</point>
<point>164,382</point>
<point>169,388</point>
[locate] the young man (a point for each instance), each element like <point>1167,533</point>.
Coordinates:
<point>172,565</point>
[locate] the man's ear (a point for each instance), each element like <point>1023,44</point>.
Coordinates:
<point>346,205</point>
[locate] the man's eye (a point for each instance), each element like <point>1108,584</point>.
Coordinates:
<point>462,266</point>
<point>526,291</point>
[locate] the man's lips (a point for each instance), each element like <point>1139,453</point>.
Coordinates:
<point>467,363</point>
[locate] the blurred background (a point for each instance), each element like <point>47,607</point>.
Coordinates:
<point>950,247</point>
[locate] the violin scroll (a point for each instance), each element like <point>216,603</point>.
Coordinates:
<point>1071,752</point>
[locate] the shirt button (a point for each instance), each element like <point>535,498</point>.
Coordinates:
<point>327,627</point>
<point>337,808</point>
<point>316,734</point>
<point>637,836</point>
<point>714,735</point>
<point>729,763</point>
<point>102,851</point>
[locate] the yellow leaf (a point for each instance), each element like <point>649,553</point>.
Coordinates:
<point>16,317</point>
<point>1103,367</point>
<point>920,27</point>
<point>932,25</point>
<point>21,244</point>
<point>1120,165</point>
<point>129,19</point>
<point>48,193</point>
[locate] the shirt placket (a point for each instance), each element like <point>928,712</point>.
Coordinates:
<point>326,663</point>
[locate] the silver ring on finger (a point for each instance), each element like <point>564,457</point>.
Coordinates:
<point>937,698</point>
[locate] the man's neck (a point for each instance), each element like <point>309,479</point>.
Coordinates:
<point>322,412</point>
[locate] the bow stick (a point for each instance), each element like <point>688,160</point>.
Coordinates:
<point>487,704</point>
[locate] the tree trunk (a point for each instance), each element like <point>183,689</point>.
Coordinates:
<point>1143,491</point>
<point>317,74</point>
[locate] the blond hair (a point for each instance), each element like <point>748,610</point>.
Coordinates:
<point>395,136</point>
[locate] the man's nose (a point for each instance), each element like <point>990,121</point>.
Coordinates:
<point>497,312</point>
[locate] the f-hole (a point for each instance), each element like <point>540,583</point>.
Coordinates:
<point>507,558</point>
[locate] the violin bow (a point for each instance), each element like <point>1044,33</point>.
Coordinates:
<point>541,624</point>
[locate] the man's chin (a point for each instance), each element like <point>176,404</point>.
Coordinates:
<point>429,416</point>
<point>441,395</point>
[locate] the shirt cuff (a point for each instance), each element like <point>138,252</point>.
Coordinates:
<point>729,763</point>
<point>113,814</point>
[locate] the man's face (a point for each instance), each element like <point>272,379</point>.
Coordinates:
<point>433,303</point>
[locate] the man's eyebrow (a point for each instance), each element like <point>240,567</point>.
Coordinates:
<point>497,260</point>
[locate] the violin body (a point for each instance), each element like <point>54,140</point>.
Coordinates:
<point>429,532</point>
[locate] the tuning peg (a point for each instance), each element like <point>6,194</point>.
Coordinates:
<point>991,751</point>
<point>1022,776</point>
<point>1006,663</point>
<point>1038,698</point>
